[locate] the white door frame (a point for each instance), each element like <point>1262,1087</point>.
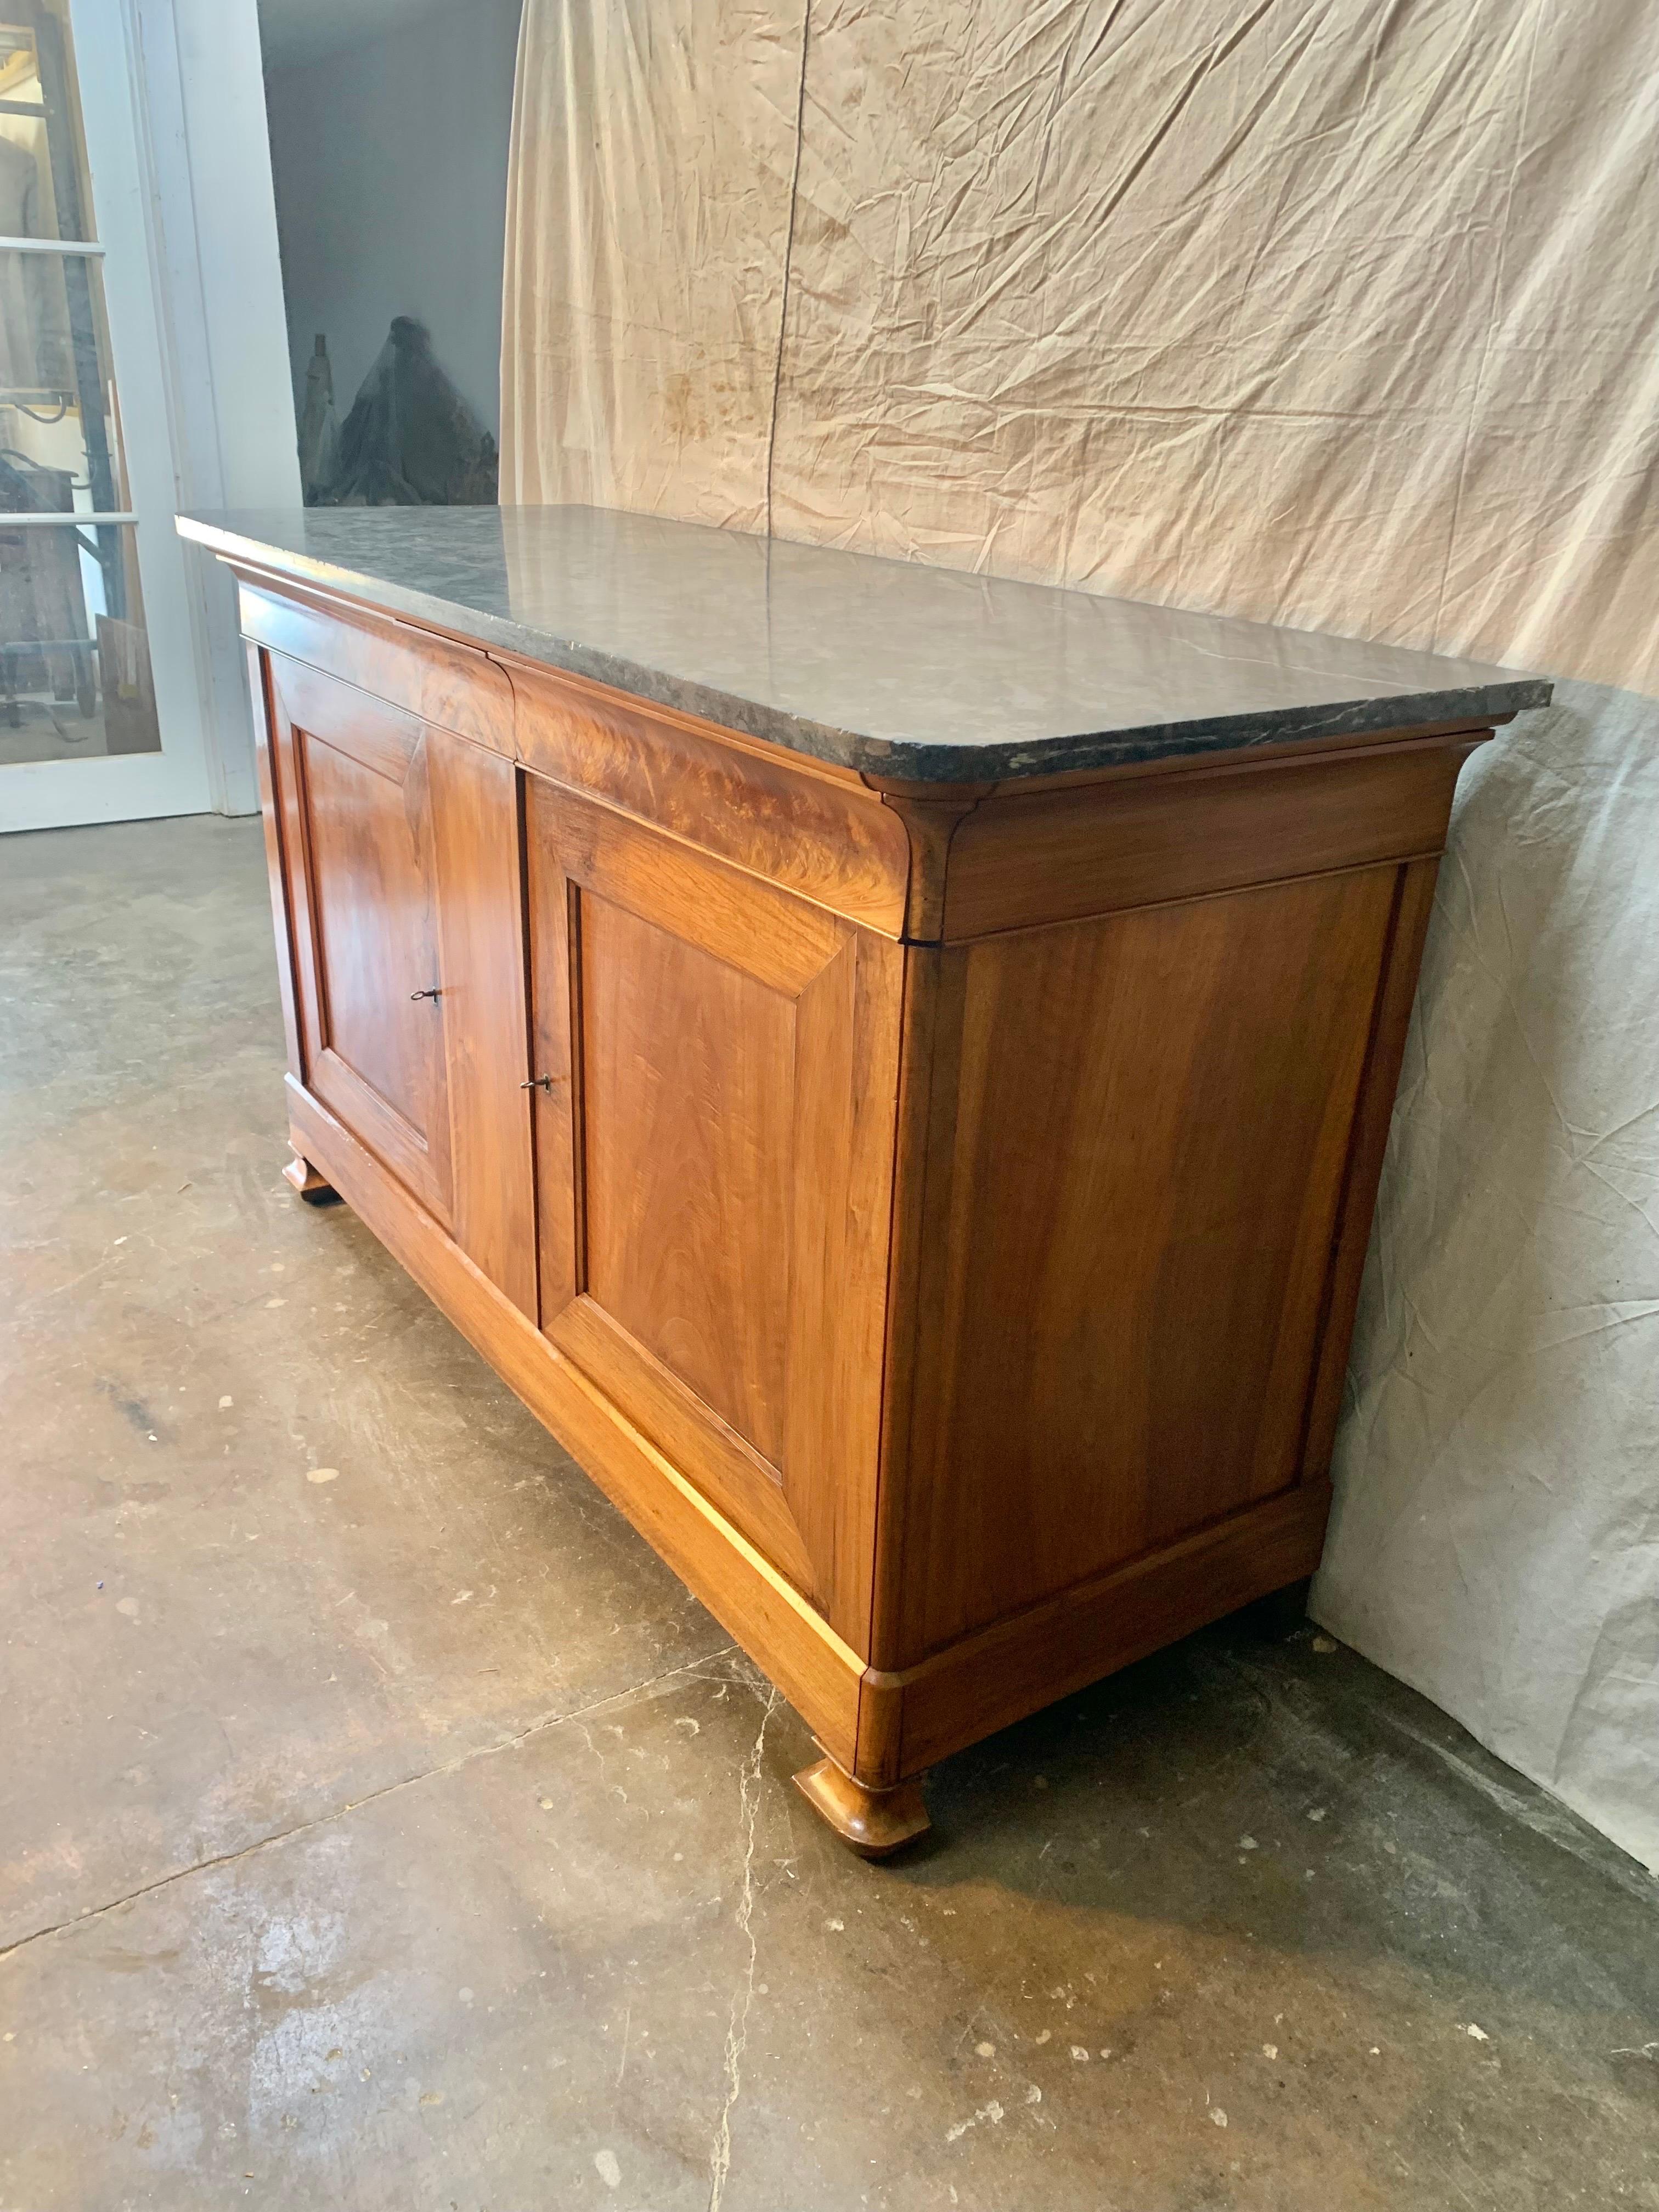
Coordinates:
<point>172,95</point>
<point>47,794</point>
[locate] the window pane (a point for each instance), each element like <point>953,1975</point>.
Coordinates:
<point>75,676</point>
<point>60,434</point>
<point>44,189</point>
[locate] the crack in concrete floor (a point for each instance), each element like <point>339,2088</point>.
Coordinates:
<point>736,2032</point>
<point>547,1721</point>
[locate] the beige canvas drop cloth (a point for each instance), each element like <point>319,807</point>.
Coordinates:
<point>1342,313</point>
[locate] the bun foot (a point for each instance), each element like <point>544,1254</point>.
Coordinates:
<point>310,1186</point>
<point>875,1823</point>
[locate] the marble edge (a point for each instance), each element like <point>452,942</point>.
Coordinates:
<point>914,761</point>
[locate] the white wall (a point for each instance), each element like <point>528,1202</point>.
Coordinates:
<point>390,161</point>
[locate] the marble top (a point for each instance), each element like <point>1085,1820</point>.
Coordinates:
<point>887,666</point>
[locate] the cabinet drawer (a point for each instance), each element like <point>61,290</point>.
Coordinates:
<point>445,685</point>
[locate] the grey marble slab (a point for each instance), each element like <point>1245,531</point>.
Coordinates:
<point>887,666</point>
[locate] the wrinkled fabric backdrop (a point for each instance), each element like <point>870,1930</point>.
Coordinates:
<point>1340,313</point>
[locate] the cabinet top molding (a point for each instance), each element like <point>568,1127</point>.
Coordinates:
<point>893,668</point>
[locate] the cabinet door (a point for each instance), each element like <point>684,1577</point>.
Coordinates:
<point>713,1162</point>
<point>400,857</point>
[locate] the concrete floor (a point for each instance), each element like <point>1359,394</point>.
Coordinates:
<point>382,1826</point>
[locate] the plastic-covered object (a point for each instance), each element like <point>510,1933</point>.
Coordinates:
<point>411,440</point>
<point>319,433</point>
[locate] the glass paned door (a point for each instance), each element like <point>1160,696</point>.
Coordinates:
<point>100,712</point>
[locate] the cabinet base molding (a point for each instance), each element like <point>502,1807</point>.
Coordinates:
<point>314,1189</point>
<point>875,1823</point>
<point>988,1681</point>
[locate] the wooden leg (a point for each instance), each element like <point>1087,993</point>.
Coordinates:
<point>305,1180</point>
<point>875,1822</point>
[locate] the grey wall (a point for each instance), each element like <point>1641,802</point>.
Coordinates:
<point>390,161</point>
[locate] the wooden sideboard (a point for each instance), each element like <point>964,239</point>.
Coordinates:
<point>932,1213</point>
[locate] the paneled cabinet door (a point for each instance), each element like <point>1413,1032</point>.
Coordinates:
<point>718,1063</point>
<point>399,848</point>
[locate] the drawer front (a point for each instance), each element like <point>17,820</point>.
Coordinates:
<point>812,829</point>
<point>441,682</point>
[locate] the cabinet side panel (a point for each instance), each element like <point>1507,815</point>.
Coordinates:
<point>481,954</point>
<point>1119,1308</point>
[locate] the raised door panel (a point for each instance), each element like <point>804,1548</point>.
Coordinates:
<point>714,1165</point>
<point>356,804</point>
<point>690,1139</point>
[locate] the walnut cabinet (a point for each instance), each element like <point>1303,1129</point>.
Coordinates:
<point>932,1214</point>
